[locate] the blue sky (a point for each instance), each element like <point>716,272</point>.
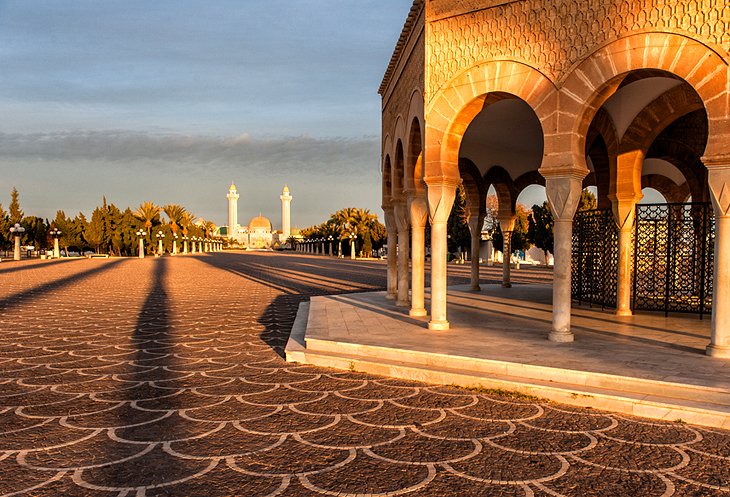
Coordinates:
<point>169,101</point>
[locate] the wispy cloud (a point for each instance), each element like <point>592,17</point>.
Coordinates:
<point>301,154</point>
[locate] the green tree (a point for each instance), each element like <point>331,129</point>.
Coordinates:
<point>457,227</point>
<point>588,201</point>
<point>4,228</point>
<point>64,225</point>
<point>94,234</point>
<point>16,214</point>
<point>540,228</point>
<point>77,233</point>
<point>36,232</point>
<point>174,213</point>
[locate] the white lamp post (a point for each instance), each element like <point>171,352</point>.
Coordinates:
<point>17,230</point>
<point>56,233</point>
<point>193,240</point>
<point>353,237</point>
<point>174,244</point>
<point>160,235</point>
<point>330,238</point>
<point>185,244</point>
<point>140,236</point>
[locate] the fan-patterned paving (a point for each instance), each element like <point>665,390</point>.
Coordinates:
<point>164,377</point>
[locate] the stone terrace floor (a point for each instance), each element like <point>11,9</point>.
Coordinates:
<point>164,377</point>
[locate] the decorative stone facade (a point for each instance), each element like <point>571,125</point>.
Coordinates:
<point>608,86</point>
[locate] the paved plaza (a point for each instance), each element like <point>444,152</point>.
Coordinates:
<point>165,377</point>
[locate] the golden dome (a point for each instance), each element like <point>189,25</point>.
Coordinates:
<point>233,187</point>
<point>259,223</point>
<point>286,189</point>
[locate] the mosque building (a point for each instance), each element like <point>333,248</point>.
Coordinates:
<point>259,233</point>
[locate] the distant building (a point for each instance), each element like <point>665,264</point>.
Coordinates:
<point>259,234</point>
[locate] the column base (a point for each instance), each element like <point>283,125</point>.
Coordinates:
<point>476,288</point>
<point>719,351</point>
<point>418,313</point>
<point>624,312</point>
<point>506,285</point>
<point>438,325</point>
<point>402,303</point>
<point>561,336</point>
<point>390,296</point>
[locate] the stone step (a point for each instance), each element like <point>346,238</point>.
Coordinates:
<point>637,404</point>
<point>525,372</point>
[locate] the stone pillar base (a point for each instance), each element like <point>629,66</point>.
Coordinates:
<point>438,325</point>
<point>402,303</point>
<point>389,296</point>
<point>506,285</point>
<point>719,351</point>
<point>624,312</point>
<point>418,313</point>
<point>476,288</point>
<point>561,336</point>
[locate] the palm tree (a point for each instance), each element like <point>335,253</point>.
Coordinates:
<point>209,227</point>
<point>147,212</point>
<point>186,221</point>
<point>175,214</point>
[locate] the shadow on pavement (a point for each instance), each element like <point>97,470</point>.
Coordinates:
<point>52,286</point>
<point>297,278</point>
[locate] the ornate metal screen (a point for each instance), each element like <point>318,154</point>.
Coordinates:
<point>673,257</point>
<point>595,258</point>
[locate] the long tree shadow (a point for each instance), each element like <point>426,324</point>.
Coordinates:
<point>19,298</point>
<point>150,413</point>
<point>4,269</point>
<point>297,278</point>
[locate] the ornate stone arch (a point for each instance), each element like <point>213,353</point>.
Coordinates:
<point>499,178</point>
<point>414,143</point>
<point>476,194</point>
<point>397,192</point>
<point>387,182</point>
<point>587,87</point>
<point>454,107</point>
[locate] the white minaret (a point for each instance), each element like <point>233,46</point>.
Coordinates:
<point>232,211</point>
<point>285,213</point>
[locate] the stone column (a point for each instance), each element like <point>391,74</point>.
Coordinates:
<point>719,180</point>
<point>56,249</point>
<point>141,247</point>
<point>440,194</point>
<point>418,211</point>
<point>506,225</point>
<point>563,193</point>
<point>185,246</point>
<point>403,226</point>
<point>174,246</point>
<point>625,192</point>
<point>475,228</point>
<point>624,211</point>
<point>390,226</point>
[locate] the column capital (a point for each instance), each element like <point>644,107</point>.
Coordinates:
<point>563,194</point>
<point>418,209</point>
<point>401,216</point>
<point>506,223</point>
<point>441,193</point>
<point>718,178</point>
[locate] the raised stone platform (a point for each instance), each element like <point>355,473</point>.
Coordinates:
<point>645,365</point>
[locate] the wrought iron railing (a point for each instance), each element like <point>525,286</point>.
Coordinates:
<point>595,258</point>
<point>674,257</point>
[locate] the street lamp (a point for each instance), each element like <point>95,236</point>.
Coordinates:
<point>174,244</point>
<point>330,238</point>
<point>160,235</point>
<point>17,230</point>
<point>193,239</point>
<point>56,233</point>
<point>140,235</point>
<point>185,244</point>
<point>353,237</point>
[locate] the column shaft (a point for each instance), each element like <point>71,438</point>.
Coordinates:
<point>623,290</point>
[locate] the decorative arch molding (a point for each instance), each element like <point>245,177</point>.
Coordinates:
<point>414,157</point>
<point>657,116</point>
<point>499,178</point>
<point>587,87</point>
<point>397,192</point>
<point>453,108</point>
<point>686,160</point>
<point>671,191</point>
<point>387,182</point>
<point>476,194</point>
<point>528,179</point>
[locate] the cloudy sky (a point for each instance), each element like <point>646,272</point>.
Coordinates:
<point>170,101</point>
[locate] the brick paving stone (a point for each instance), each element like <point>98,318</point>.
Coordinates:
<point>165,377</point>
